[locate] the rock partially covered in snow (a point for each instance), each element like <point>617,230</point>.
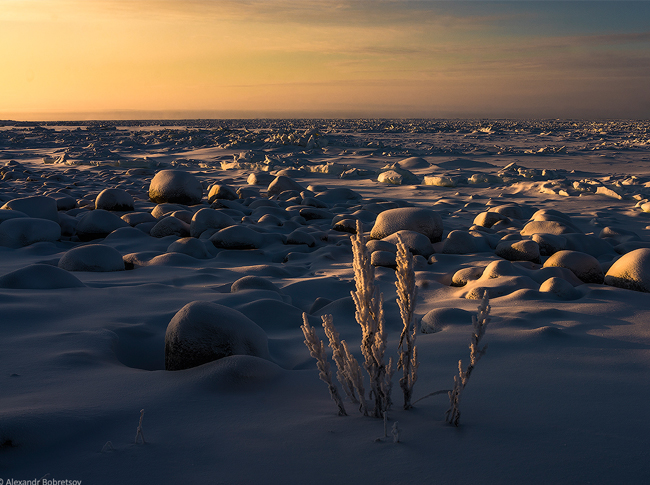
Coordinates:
<point>170,226</point>
<point>93,257</point>
<point>560,288</point>
<point>23,231</point>
<point>462,242</point>
<point>202,332</point>
<point>395,175</point>
<point>631,271</point>
<point>439,318</point>
<point>40,207</point>
<point>413,162</point>
<point>525,250</point>
<point>424,221</point>
<point>40,277</point>
<point>253,283</point>
<point>176,187</point>
<point>221,191</point>
<point>190,246</point>
<point>114,200</point>
<point>97,224</point>
<point>584,266</point>
<point>237,237</point>
<point>415,242</point>
<point>282,183</point>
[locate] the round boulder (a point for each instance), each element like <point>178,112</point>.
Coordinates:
<point>202,332</point>
<point>209,219</point>
<point>23,231</point>
<point>93,257</point>
<point>40,277</point>
<point>525,250</point>
<point>253,283</point>
<point>176,187</point>
<point>237,237</point>
<point>424,221</point>
<point>114,200</point>
<point>40,207</point>
<point>585,267</point>
<point>560,287</point>
<point>97,224</point>
<point>631,271</point>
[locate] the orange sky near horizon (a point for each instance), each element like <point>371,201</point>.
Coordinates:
<point>66,59</point>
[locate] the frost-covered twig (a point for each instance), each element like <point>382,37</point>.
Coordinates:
<point>340,358</point>
<point>353,370</point>
<point>139,433</point>
<point>370,316</point>
<point>406,296</point>
<point>317,351</point>
<point>480,322</point>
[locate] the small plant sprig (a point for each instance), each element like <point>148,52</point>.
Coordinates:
<point>139,433</point>
<point>406,297</point>
<point>480,322</point>
<point>317,351</point>
<point>370,317</point>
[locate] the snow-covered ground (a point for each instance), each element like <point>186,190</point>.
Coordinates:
<point>561,396</point>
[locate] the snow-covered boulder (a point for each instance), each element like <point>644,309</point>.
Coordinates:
<point>630,271</point>
<point>560,288</point>
<point>93,257</point>
<point>40,277</point>
<point>260,178</point>
<point>546,227</point>
<point>221,191</point>
<point>253,283</point>
<point>584,266</point>
<point>301,237</point>
<point>462,242</point>
<point>135,218</point>
<point>176,187</point>
<point>202,332</point>
<point>488,219</point>
<point>415,242</point>
<point>97,224</point>
<point>190,246</point>
<point>23,231</point>
<point>386,259</point>
<point>525,250</point>
<point>237,237</point>
<point>114,200</point>
<point>413,162</point>
<point>206,218</point>
<point>39,206</point>
<point>439,318</point>
<point>170,226</point>
<point>424,221</point>
<point>7,214</point>
<point>282,183</point>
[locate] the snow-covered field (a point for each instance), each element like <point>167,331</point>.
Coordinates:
<point>561,396</point>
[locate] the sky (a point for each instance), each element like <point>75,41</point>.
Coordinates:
<point>122,59</point>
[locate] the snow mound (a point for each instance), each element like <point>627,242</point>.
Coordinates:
<point>237,237</point>
<point>191,247</point>
<point>39,207</point>
<point>525,250</point>
<point>205,219</point>
<point>413,162</point>
<point>97,224</point>
<point>282,183</point>
<point>560,288</point>
<point>40,277</point>
<point>438,319</point>
<point>584,266</point>
<point>114,200</point>
<point>93,257</point>
<point>202,332</point>
<point>631,271</point>
<point>23,231</point>
<point>176,187</point>
<point>424,221</point>
<point>415,242</point>
<point>253,283</point>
